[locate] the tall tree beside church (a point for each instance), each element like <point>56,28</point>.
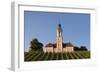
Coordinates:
<point>36,45</point>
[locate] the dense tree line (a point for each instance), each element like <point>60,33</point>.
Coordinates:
<point>82,48</point>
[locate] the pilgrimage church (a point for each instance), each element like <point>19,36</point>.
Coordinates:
<point>60,46</point>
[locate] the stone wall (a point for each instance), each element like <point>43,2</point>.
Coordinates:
<point>49,49</point>
<point>68,49</point>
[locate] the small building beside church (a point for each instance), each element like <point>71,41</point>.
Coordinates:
<point>59,46</point>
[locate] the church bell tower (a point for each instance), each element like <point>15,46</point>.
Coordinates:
<point>59,38</point>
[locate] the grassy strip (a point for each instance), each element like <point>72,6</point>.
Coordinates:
<point>64,56</point>
<point>75,56</point>
<point>30,57</point>
<point>43,56</point>
<point>26,56</point>
<point>46,56</point>
<point>36,58</point>
<point>85,54</point>
<point>54,56</point>
<point>59,56</point>
<point>69,56</point>
<point>49,56</point>
<point>80,56</point>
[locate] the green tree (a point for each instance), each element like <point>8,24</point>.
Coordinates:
<point>76,48</point>
<point>83,48</point>
<point>36,45</point>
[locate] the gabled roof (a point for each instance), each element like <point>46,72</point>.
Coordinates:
<point>67,44</point>
<point>49,45</point>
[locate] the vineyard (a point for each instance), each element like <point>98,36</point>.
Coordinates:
<point>41,56</point>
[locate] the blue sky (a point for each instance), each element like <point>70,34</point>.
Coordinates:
<point>43,26</point>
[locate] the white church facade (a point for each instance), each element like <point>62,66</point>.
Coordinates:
<point>59,46</point>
